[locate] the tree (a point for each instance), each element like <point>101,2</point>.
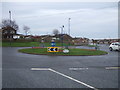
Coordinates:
<point>55,31</point>
<point>9,23</point>
<point>26,29</point>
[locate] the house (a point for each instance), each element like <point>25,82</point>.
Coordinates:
<point>80,41</point>
<point>8,32</point>
<point>107,41</point>
<point>46,38</point>
<point>65,38</point>
<point>28,37</point>
<point>57,38</point>
<point>18,36</point>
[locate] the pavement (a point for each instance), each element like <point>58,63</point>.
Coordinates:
<point>21,70</point>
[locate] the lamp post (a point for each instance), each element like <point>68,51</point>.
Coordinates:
<point>9,28</point>
<point>69,25</point>
<point>62,34</point>
<point>69,29</point>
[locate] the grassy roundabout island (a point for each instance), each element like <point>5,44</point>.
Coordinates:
<point>72,52</point>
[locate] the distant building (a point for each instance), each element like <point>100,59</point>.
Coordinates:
<point>28,37</point>
<point>107,41</point>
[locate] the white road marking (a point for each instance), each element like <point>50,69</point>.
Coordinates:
<point>80,82</point>
<point>89,86</point>
<point>42,69</point>
<point>112,67</point>
<point>78,68</point>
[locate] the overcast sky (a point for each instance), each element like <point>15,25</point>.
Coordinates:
<point>88,19</point>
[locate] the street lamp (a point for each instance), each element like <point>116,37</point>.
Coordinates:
<point>10,28</point>
<point>62,34</point>
<point>69,26</point>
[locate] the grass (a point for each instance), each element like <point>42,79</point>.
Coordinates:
<point>73,52</point>
<point>28,44</point>
<point>91,45</point>
<point>35,44</point>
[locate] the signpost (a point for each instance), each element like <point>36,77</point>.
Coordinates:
<point>42,43</point>
<point>53,44</point>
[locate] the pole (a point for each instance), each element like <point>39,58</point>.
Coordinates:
<point>10,26</point>
<point>69,29</point>
<point>62,34</point>
<point>10,16</point>
<point>69,26</point>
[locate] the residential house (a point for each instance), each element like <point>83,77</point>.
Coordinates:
<point>80,41</point>
<point>8,32</point>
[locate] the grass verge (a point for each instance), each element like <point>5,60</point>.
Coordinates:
<point>73,52</point>
<point>29,44</point>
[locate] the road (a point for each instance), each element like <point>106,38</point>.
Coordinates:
<point>40,71</point>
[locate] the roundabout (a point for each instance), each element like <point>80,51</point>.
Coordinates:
<point>63,52</point>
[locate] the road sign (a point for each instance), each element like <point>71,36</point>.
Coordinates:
<point>52,49</point>
<point>52,44</point>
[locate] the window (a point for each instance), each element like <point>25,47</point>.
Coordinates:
<point>117,44</point>
<point>12,32</point>
<point>5,32</point>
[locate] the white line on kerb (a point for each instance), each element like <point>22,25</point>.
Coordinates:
<point>80,82</point>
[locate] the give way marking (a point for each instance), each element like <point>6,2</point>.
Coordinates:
<point>110,68</point>
<point>71,78</point>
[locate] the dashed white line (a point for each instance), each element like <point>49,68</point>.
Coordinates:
<point>71,78</point>
<point>78,68</point>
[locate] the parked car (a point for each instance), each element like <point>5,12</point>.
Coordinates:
<point>114,46</point>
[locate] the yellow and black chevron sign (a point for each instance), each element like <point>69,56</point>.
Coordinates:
<point>52,49</point>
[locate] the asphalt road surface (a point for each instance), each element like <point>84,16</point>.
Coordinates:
<point>40,71</point>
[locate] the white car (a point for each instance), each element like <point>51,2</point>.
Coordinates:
<point>114,46</point>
